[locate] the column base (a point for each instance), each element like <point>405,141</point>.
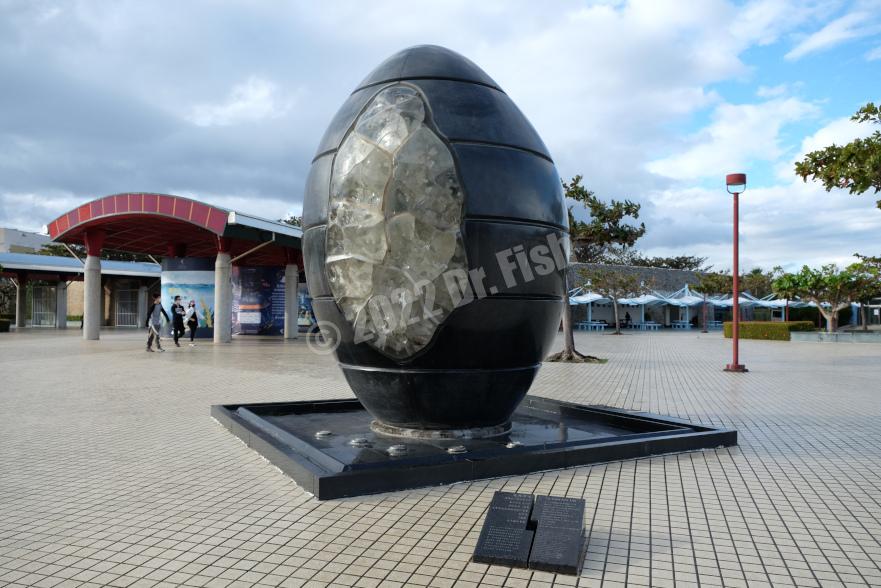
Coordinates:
<point>739,367</point>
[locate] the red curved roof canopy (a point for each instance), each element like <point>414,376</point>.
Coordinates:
<point>163,224</point>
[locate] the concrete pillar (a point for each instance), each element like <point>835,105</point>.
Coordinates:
<point>61,304</point>
<point>223,298</point>
<point>93,293</point>
<point>21,303</point>
<point>291,301</point>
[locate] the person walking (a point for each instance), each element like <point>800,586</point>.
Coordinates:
<point>192,321</point>
<point>177,323</point>
<point>154,322</point>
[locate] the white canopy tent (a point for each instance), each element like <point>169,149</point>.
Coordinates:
<point>683,298</point>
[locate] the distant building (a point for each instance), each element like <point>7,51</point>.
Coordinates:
<point>662,280</point>
<point>17,241</point>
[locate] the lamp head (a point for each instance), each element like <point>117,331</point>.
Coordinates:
<point>735,183</point>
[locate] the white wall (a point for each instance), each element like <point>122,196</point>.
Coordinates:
<point>15,241</point>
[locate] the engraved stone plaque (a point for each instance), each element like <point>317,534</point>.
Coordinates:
<point>547,535</point>
<point>559,534</point>
<point>557,512</point>
<point>505,540</point>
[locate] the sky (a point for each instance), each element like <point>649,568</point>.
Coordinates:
<point>651,100</point>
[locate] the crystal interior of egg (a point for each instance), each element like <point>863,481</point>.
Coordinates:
<point>394,224</point>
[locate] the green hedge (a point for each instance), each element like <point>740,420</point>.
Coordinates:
<point>801,326</point>
<point>74,317</point>
<point>771,331</point>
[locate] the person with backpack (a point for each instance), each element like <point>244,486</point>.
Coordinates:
<point>154,321</point>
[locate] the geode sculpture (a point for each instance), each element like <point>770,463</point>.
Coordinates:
<point>435,246</point>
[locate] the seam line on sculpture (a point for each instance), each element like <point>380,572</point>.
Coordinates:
<point>456,141</point>
<point>429,78</point>
<point>370,368</point>
<point>508,220</point>
<point>324,153</point>
<point>465,142</point>
<point>499,295</point>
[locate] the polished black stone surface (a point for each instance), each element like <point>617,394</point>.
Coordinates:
<point>559,534</point>
<point>545,434</point>
<point>503,333</point>
<point>427,61</point>
<point>505,538</point>
<point>470,113</point>
<point>554,525</point>
<point>342,122</point>
<point>317,192</point>
<point>510,184</point>
<point>503,271</point>
<point>410,398</point>
<point>314,244</point>
<point>485,350</point>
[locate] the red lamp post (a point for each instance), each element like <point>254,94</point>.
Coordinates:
<point>736,184</point>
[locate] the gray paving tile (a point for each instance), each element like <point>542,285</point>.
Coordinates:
<point>113,477</point>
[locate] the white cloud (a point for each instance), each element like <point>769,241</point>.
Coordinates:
<point>850,26</point>
<point>788,224</point>
<point>32,211</point>
<point>874,54</point>
<point>772,91</point>
<point>94,106</point>
<point>254,100</point>
<point>739,134</point>
<point>837,132</point>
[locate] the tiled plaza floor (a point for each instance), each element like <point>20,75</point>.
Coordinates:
<point>112,473</point>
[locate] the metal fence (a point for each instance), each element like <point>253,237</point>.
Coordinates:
<point>127,308</point>
<point>43,306</point>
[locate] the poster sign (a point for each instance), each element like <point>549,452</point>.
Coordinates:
<point>306,317</point>
<point>194,285</point>
<point>258,300</point>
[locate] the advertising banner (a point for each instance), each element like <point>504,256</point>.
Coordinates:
<point>190,285</point>
<point>258,300</point>
<point>306,317</point>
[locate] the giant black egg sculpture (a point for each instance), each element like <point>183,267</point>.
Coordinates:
<point>434,246</point>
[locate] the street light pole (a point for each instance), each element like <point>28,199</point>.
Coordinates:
<point>735,184</point>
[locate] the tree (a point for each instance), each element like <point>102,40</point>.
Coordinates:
<point>758,282</point>
<point>607,227</point>
<point>867,273</point>
<point>787,286</point>
<point>712,283</point>
<point>634,258</point>
<point>294,221</point>
<point>60,250</point>
<point>827,284</point>
<point>613,284</point>
<point>590,240</point>
<point>7,294</point>
<point>855,167</point>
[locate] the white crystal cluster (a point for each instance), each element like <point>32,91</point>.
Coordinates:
<point>394,224</point>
